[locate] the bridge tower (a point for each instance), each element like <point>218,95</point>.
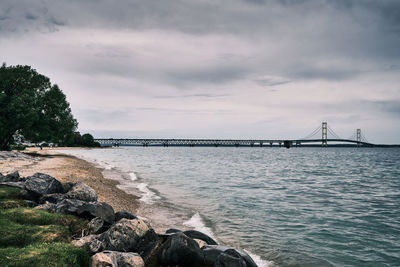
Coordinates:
<point>324,134</point>
<point>358,137</point>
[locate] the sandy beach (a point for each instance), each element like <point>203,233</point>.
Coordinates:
<point>68,168</point>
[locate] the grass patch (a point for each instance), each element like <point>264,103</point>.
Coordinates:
<point>47,254</point>
<point>30,216</point>
<point>8,192</point>
<point>30,237</point>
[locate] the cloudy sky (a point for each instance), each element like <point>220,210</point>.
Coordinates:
<point>213,68</point>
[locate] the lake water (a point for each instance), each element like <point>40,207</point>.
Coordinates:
<point>287,207</point>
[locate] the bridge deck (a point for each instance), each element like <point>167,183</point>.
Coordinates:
<point>220,142</point>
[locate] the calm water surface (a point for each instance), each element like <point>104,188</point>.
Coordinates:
<point>291,207</point>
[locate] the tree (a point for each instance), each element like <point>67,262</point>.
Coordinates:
<point>33,107</point>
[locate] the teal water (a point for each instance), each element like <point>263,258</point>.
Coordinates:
<point>291,207</point>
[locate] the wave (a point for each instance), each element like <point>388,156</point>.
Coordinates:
<point>148,195</point>
<point>133,176</point>
<point>198,224</point>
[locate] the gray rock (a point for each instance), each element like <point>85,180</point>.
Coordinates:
<point>199,235</point>
<point>96,209</point>
<point>69,206</point>
<point>225,256</point>
<point>50,207</point>
<point>149,246</point>
<point>42,184</point>
<point>52,198</point>
<point>14,184</point>
<point>67,186</point>
<point>180,250</point>
<point>82,191</point>
<point>124,214</point>
<point>115,259</point>
<point>84,242</point>
<point>124,235</point>
<point>172,231</point>
<point>97,226</point>
<point>11,177</point>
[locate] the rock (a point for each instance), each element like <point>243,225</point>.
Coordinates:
<point>115,258</point>
<point>97,226</point>
<point>149,246</point>
<point>50,207</point>
<point>124,214</point>
<point>14,184</point>
<point>200,242</point>
<point>172,231</point>
<point>96,209</point>
<point>201,236</point>
<point>124,235</point>
<point>27,195</point>
<point>84,242</point>
<point>67,186</point>
<point>180,250</point>
<point>11,177</point>
<point>82,191</point>
<point>42,184</point>
<point>69,206</point>
<point>225,256</point>
<point>52,198</point>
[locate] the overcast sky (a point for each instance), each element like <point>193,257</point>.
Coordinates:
<point>213,68</point>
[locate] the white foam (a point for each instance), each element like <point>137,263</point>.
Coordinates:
<point>133,176</point>
<point>148,196</point>
<point>260,262</point>
<point>198,224</point>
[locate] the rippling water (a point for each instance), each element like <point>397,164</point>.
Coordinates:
<point>291,207</point>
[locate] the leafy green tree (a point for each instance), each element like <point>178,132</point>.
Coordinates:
<point>34,107</point>
<point>87,140</point>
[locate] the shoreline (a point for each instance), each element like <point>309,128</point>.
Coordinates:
<point>68,168</point>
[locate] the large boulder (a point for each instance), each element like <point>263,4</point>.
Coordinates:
<point>180,250</point>
<point>124,235</point>
<point>124,214</point>
<point>82,191</point>
<point>69,206</point>
<point>97,209</point>
<point>199,235</point>
<point>115,259</point>
<point>225,256</point>
<point>149,246</point>
<point>42,184</point>
<point>14,184</point>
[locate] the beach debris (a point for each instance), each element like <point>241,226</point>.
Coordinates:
<point>115,258</point>
<point>122,236</point>
<point>124,214</point>
<point>216,255</point>
<point>180,250</point>
<point>82,191</point>
<point>42,184</point>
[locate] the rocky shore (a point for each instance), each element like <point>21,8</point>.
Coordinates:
<point>121,238</point>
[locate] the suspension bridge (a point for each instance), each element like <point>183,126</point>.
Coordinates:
<point>323,135</point>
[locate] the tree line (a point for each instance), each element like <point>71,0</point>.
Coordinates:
<point>32,107</point>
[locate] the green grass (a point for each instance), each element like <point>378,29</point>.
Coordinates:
<point>46,254</point>
<point>7,192</point>
<point>30,237</point>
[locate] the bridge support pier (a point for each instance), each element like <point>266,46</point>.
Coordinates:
<point>270,143</point>
<point>236,145</point>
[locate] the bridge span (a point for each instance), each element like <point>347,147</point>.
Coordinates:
<point>222,142</point>
<point>357,139</point>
